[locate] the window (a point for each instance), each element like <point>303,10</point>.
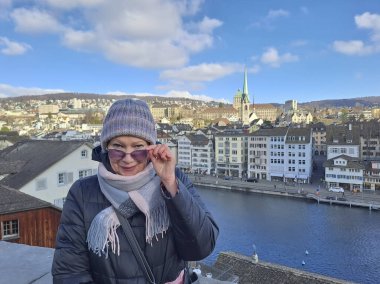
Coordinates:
<point>9,229</point>
<point>85,173</point>
<point>65,178</point>
<point>84,154</point>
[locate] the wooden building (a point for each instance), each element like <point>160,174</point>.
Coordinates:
<point>25,219</point>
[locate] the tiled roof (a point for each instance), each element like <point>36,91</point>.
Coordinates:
<point>33,157</point>
<point>352,163</point>
<point>277,131</point>
<point>198,139</point>
<point>264,106</point>
<point>341,135</point>
<point>12,200</point>
<point>298,132</point>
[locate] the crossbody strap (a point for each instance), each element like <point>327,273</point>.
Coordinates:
<point>144,265</point>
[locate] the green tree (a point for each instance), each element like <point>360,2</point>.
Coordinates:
<point>344,116</point>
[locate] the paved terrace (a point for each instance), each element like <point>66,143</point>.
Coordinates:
<point>22,264</point>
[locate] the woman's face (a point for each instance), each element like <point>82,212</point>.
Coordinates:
<point>121,160</point>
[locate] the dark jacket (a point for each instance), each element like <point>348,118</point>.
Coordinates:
<point>191,236</point>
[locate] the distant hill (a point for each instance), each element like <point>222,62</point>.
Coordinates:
<point>337,103</point>
<point>341,103</point>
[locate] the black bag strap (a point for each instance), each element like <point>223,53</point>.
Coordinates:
<point>144,265</point>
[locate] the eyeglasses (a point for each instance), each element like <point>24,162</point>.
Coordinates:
<point>137,155</point>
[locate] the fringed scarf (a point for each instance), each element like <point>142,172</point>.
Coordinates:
<point>128,194</point>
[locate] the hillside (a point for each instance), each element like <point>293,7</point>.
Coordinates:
<point>354,102</point>
<point>334,103</point>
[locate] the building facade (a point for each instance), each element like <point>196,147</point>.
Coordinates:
<point>231,154</point>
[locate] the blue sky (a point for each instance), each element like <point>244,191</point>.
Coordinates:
<point>293,49</point>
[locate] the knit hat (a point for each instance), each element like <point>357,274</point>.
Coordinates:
<point>128,117</point>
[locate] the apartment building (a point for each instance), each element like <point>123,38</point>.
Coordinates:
<point>372,176</point>
<point>276,156</point>
<point>370,140</point>
<point>343,140</point>
<point>266,112</point>
<point>202,154</point>
<point>258,143</point>
<point>231,154</point>
<point>184,153</point>
<point>319,139</point>
<point>346,172</point>
<point>282,154</point>
<point>196,153</point>
<point>343,166</point>
<point>298,150</point>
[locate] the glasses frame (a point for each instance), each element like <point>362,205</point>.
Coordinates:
<point>138,155</point>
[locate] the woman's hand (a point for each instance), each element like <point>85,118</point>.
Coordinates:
<point>164,163</point>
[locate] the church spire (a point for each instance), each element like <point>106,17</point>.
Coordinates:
<point>245,85</point>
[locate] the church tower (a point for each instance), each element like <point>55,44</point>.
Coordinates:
<point>244,104</point>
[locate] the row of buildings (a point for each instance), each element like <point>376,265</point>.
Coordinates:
<point>351,153</point>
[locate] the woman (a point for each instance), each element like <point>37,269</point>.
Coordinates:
<point>139,179</point>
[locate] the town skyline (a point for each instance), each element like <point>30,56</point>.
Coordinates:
<point>292,50</point>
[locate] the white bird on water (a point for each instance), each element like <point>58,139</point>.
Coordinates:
<point>303,262</point>
<point>306,252</point>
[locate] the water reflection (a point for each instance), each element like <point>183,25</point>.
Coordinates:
<point>342,242</point>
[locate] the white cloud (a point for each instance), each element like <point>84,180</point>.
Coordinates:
<point>171,94</point>
<point>353,47</point>
<point>358,47</point>
<point>201,73</point>
<point>34,21</point>
<point>80,40</point>
<point>207,25</point>
<point>190,7</point>
<point>9,47</point>
<point>270,18</point>
<point>273,14</point>
<point>254,69</point>
<point>185,94</point>
<point>145,53</point>
<point>12,91</point>
<point>298,43</point>
<point>5,6</point>
<point>145,33</point>
<point>371,22</point>
<point>72,4</point>
<point>274,59</point>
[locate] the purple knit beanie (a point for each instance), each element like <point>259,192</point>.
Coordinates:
<point>130,117</point>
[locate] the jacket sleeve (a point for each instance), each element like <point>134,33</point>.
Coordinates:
<point>195,230</point>
<point>71,261</point>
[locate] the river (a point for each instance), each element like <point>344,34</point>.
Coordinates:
<point>341,242</point>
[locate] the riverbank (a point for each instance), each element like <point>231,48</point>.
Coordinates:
<point>370,201</point>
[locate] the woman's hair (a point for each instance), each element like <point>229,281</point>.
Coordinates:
<point>128,117</point>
